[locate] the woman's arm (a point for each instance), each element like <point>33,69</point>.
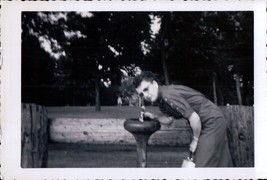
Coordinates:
<point>165,120</point>
<point>195,124</point>
<point>162,119</point>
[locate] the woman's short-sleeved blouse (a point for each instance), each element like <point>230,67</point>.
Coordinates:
<point>180,101</point>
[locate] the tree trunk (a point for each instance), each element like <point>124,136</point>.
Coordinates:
<point>246,91</point>
<point>238,89</point>
<point>220,92</point>
<point>97,96</point>
<point>73,97</point>
<point>214,88</point>
<point>165,70</point>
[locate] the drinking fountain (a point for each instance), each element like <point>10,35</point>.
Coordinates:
<point>141,128</point>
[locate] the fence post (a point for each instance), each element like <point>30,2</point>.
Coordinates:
<point>240,134</point>
<point>34,136</point>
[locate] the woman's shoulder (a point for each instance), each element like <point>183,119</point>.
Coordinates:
<point>170,91</point>
<point>184,89</point>
<point>176,88</point>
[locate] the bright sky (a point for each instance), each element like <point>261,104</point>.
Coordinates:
<point>155,24</point>
<point>154,27</point>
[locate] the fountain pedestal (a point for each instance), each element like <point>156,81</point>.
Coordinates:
<point>141,132</point>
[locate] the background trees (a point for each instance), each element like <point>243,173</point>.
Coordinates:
<point>81,58</point>
<point>209,51</point>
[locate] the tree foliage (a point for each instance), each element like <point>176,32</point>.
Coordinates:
<point>86,48</point>
<point>197,48</point>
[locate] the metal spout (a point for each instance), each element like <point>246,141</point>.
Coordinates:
<point>141,118</point>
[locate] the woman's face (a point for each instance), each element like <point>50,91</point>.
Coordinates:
<point>149,90</point>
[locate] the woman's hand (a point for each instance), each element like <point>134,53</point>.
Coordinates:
<point>193,145</point>
<point>148,115</point>
<point>162,119</point>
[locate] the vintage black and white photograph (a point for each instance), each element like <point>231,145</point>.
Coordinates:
<point>136,89</point>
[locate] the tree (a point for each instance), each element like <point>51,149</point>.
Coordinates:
<point>85,49</point>
<point>197,48</point>
<point>88,48</point>
<point>107,44</point>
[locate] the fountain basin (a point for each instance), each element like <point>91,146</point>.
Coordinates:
<point>141,132</point>
<point>146,127</point>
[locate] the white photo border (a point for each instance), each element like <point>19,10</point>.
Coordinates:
<point>11,91</point>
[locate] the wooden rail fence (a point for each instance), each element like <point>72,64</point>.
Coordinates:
<point>241,134</point>
<point>34,136</point>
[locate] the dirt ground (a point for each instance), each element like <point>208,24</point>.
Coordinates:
<point>120,156</point>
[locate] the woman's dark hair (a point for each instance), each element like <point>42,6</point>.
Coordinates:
<point>145,75</point>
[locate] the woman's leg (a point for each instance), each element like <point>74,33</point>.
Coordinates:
<point>212,149</point>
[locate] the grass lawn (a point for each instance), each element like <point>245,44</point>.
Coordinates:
<point>106,156</point>
<point>122,112</point>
